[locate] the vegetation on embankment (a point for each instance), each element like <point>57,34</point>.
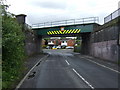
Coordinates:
<point>12,49</point>
<point>78,47</point>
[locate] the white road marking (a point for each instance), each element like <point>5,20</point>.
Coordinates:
<point>83,79</point>
<point>102,65</point>
<point>67,62</point>
<point>18,86</point>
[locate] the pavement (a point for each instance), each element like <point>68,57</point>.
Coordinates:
<point>66,69</point>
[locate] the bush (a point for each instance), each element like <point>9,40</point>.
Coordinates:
<point>13,50</point>
<point>44,46</point>
<point>77,48</point>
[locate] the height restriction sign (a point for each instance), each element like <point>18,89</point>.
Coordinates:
<point>62,28</point>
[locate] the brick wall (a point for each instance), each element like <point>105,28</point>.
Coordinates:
<point>70,42</point>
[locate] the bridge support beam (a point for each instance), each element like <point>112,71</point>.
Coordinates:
<point>118,41</point>
<point>85,47</point>
<point>38,44</point>
<point>32,42</point>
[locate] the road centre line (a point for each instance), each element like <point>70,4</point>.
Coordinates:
<point>83,79</point>
<point>102,65</point>
<point>67,62</point>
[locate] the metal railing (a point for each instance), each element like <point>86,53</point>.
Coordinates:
<point>67,22</point>
<point>27,27</point>
<point>112,16</point>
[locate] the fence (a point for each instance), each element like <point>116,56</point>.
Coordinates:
<point>112,16</point>
<point>67,22</point>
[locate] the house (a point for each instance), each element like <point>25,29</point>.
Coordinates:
<point>61,42</point>
<point>67,42</point>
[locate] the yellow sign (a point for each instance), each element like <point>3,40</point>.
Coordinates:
<point>71,31</point>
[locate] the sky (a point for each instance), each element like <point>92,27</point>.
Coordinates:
<point>39,11</point>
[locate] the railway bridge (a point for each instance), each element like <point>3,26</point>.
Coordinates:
<point>100,41</point>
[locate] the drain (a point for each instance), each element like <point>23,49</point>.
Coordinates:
<point>32,75</point>
<point>38,63</point>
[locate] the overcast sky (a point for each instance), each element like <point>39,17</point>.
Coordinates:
<point>38,11</point>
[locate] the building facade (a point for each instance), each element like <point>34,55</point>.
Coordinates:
<point>60,42</point>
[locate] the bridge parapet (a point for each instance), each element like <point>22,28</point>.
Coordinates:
<point>112,16</point>
<point>67,22</point>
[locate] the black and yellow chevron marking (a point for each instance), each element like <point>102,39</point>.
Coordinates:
<point>71,31</point>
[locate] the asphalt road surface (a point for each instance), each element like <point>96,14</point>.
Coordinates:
<point>64,69</point>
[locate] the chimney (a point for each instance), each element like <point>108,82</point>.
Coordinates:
<point>21,19</point>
